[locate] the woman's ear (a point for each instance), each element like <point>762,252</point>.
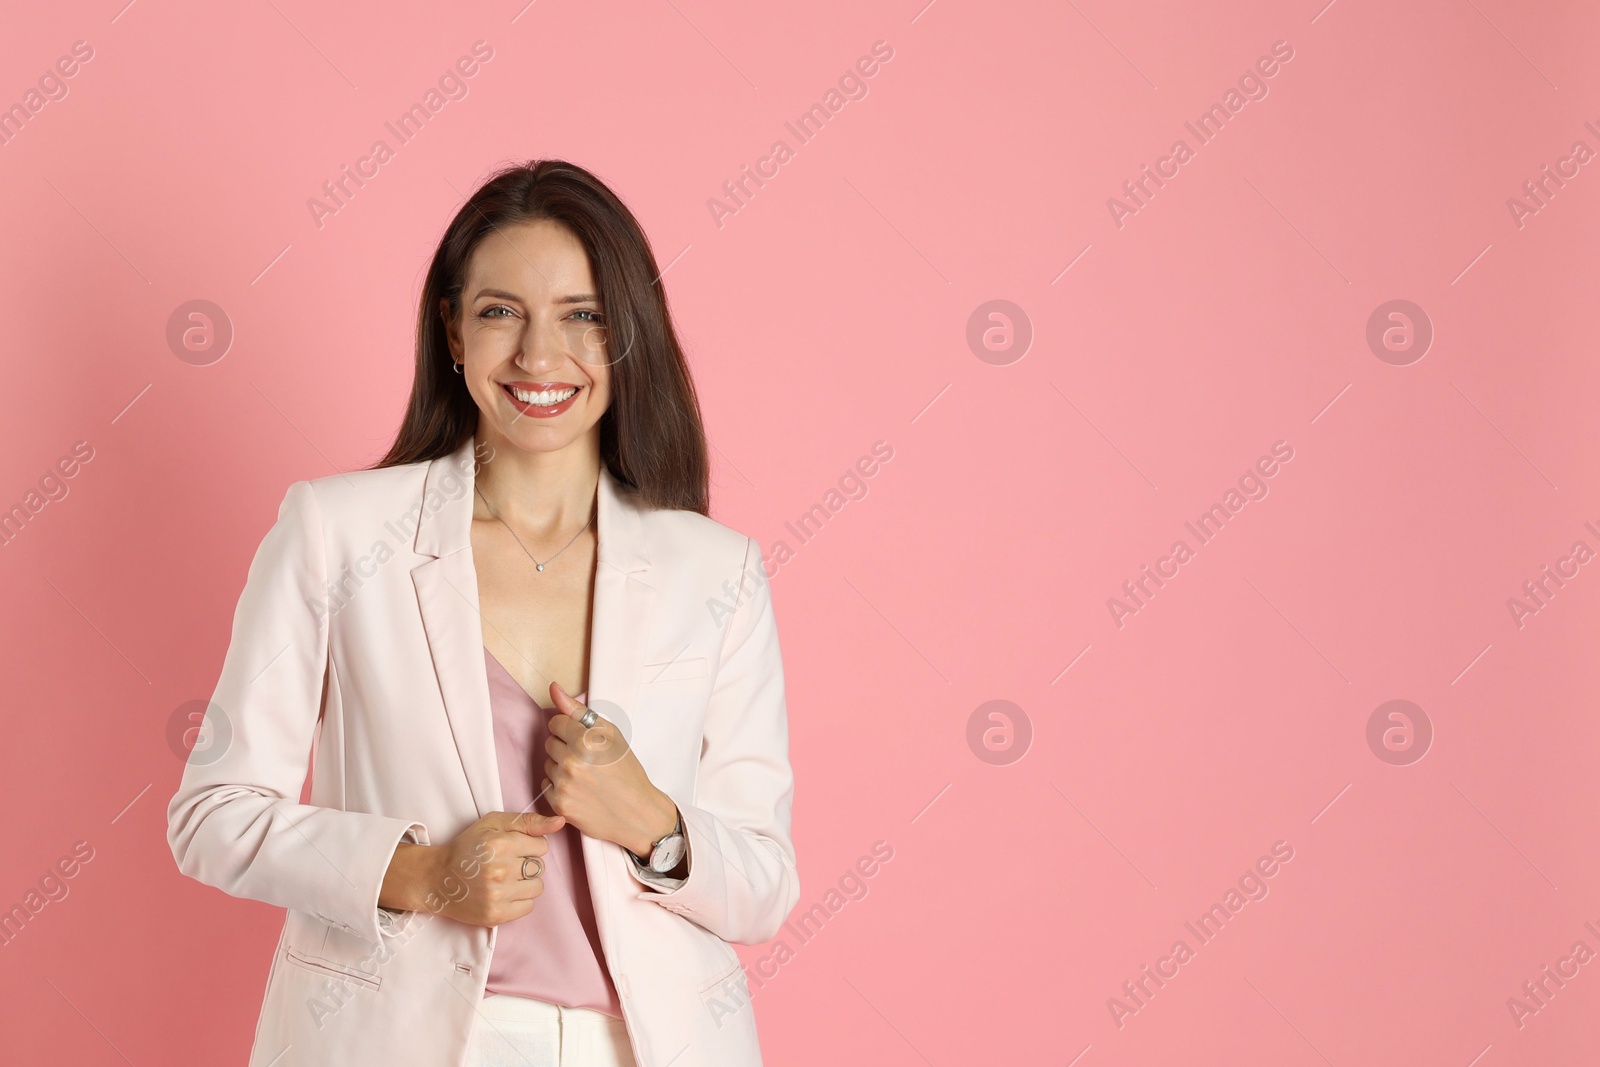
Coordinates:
<point>451,334</point>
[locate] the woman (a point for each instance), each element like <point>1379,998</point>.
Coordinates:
<point>540,690</point>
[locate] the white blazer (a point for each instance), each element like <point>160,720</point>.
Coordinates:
<point>357,647</point>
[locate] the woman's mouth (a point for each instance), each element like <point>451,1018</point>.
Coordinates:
<point>541,400</point>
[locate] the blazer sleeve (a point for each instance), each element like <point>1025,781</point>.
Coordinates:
<point>235,822</point>
<point>742,881</point>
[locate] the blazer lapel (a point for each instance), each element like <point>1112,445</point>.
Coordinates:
<point>447,597</point>
<point>618,636</point>
<point>623,601</point>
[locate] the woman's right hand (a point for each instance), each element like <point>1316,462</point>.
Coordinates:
<point>477,877</point>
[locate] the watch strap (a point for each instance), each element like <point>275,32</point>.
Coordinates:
<point>677,828</point>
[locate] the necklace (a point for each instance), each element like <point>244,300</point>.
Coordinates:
<point>520,545</point>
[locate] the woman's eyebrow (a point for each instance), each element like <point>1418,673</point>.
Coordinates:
<point>570,298</point>
<point>501,293</point>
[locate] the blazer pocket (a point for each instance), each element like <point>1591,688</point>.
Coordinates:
<point>736,968</point>
<point>675,670</point>
<point>331,969</point>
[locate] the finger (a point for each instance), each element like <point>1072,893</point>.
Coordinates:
<point>599,738</point>
<point>568,728</point>
<point>515,846</point>
<point>568,706</point>
<point>563,700</point>
<point>535,824</point>
<point>555,748</point>
<point>523,891</point>
<point>528,868</point>
<point>503,821</point>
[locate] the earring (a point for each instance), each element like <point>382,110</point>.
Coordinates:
<point>455,366</point>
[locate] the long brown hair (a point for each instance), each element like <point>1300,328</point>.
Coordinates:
<point>651,435</point>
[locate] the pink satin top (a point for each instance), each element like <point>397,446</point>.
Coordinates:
<point>552,953</point>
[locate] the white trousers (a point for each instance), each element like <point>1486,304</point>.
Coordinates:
<point>522,1032</point>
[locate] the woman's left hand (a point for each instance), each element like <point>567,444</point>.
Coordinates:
<point>593,778</point>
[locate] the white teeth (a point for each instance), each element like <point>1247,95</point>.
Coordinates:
<point>543,399</point>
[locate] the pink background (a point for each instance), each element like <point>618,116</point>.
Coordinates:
<point>1165,755</point>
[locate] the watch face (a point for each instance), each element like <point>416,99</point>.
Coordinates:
<point>667,854</point>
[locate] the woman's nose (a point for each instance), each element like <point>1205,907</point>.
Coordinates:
<point>543,345</point>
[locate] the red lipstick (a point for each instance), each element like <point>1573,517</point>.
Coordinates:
<point>548,411</point>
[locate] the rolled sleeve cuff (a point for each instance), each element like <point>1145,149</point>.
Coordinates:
<point>683,894</point>
<point>661,886</point>
<point>654,880</point>
<point>381,922</point>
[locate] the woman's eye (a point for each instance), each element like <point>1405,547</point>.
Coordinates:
<point>484,314</point>
<point>585,311</point>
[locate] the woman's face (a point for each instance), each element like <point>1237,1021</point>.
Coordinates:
<point>531,338</point>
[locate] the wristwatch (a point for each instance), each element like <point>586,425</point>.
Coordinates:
<point>666,853</point>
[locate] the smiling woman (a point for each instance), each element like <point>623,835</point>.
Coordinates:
<point>540,254</point>
<point>556,314</point>
<point>518,874</point>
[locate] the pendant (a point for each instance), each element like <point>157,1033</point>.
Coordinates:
<point>539,565</point>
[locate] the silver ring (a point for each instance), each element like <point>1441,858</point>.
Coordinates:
<point>588,718</point>
<point>537,872</point>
